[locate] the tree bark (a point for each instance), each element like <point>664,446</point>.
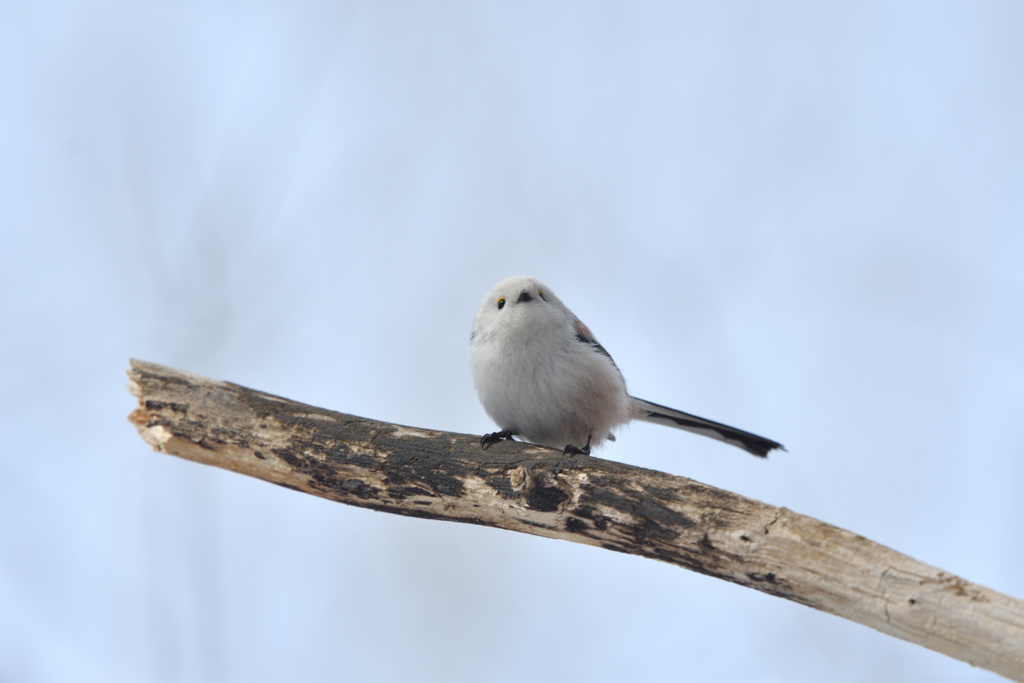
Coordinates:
<point>536,490</point>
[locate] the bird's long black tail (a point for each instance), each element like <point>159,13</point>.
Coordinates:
<point>752,443</point>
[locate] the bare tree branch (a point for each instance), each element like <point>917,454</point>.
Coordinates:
<point>535,490</point>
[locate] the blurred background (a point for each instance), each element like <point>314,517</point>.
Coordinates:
<point>803,219</point>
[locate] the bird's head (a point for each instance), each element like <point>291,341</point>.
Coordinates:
<point>515,303</point>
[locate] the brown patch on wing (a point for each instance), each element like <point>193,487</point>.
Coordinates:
<point>585,336</point>
<point>583,332</point>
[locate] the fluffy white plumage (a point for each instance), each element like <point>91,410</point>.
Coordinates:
<point>541,374</point>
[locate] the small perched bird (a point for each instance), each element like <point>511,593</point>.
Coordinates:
<point>541,374</point>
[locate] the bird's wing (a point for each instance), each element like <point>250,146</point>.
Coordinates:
<point>752,443</point>
<point>585,336</point>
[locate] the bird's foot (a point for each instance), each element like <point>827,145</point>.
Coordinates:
<point>494,437</point>
<point>573,450</point>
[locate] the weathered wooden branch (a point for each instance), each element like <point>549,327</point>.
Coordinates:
<point>535,490</point>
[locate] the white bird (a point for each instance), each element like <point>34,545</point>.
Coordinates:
<point>541,374</point>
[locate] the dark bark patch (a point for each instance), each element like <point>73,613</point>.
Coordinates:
<point>357,487</point>
<point>585,511</point>
<point>545,498</point>
<point>503,487</point>
<point>400,493</point>
<point>661,514</point>
<point>639,505</point>
<point>286,455</point>
<point>599,521</point>
<point>154,406</point>
<point>649,530</point>
<point>575,525</point>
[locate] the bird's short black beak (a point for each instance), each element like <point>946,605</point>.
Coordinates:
<point>523,297</point>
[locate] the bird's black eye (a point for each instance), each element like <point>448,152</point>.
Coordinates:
<point>501,303</point>
<point>541,292</point>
